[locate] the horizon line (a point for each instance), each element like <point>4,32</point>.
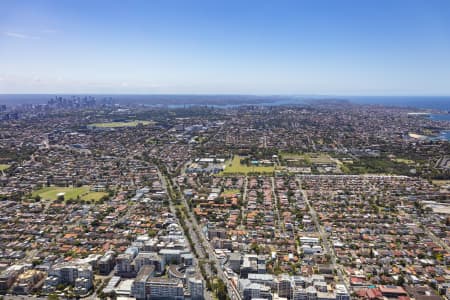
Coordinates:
<point>229,94</point>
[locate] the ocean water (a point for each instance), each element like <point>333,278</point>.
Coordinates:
<point>440,117</point>
<point>435,102</point>
<point>445,135</point>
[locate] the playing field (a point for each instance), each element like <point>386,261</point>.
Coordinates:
<point>51,193</point>
<point>441,182</point>
<point>320,158</point>
<point>403,161</point>
<point>3,167</point>
<point>308,158</point>
<point>120,124</point>
<point>234,167</point>
<point>231,191</point>
<point>288,155</point>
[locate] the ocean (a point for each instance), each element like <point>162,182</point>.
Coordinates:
<point>440,117</point>
<point>421,102</point>
<point>444,135</point>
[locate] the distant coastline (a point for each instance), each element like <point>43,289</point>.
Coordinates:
<point>441,103</point>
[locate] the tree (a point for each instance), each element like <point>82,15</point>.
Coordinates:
<point>221,290</point>
<point>53,297</point>
<point>400,280</point>
<point>37,262</point>
<point>254,247</point>
<point>113,295</point>
<point>104,198</point>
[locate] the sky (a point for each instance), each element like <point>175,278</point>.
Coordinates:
<point>317,47</point>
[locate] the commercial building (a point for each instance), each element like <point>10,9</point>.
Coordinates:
<point>106,263</point>
<point>138,289</point>
<point>149,258</point>
<point>196,288</point>
<point>164,288</point>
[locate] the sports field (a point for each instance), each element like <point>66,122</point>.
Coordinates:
<point>120,124</point>
<point>231,191</point>
<point>441,182</point>
<point>308,158</point>
<point>403,161</point>
<point>3,167</point>
<point>235,167</point>
<point>51,193</point>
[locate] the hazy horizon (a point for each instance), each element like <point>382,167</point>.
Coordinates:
<point>441,103</point>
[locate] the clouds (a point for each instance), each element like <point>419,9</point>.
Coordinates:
<point>37,35</point>
<point>56,83</point>
<point>18,35</point>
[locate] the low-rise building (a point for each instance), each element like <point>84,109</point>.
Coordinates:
<point>164,288</point>
<point>196,288</point>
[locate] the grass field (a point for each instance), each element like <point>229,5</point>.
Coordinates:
<point>51,193</point>
<point>441,182</point>
<point>231,191</point>
<point>308,158</point>
<point>403,161</point>
<point>296,156</point>
<point>320,158</point>
<point>3,167</point>
<point>378,165</point>
<point>234,167</point>
<point>94,196</point>
<point>120,124</point>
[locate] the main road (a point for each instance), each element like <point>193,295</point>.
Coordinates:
<point>191,232</point>
<point>193,224</point>
<point>324,237</point>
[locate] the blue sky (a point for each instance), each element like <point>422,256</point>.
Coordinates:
<point>341,47</point>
